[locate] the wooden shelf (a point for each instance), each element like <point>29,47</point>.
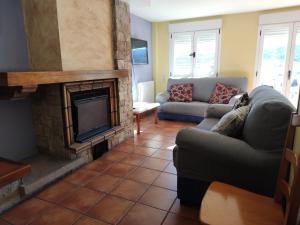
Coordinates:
<point>11,171</point>
<point>14,85</point>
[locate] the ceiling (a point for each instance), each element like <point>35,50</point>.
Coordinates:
<point>165,10</point>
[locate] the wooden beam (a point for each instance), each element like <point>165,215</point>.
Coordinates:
<point>29,79</point>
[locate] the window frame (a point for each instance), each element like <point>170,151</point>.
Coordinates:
<point>193,27</point>
<point>273,20</point>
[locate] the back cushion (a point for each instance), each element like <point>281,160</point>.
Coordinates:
<point>267,122</point>
<point>204,87</point>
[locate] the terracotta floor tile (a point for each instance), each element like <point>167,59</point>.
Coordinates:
<point>98,165</point>
<point>159,198</point>
<point>57,216</point>
<point>156,164</point>
<point>82,199</point>
<point>144,136</point>
<point>134,159</point>
<point>89,221</point>
<point>153,144</point>
<point>163,154</point>
<point>144,175</point>
<point>191,212</point>
<point>168,146</point>
<point>144,151</point>
<point>130,190</point>
<point>57,192</point>
<point>171,169</point>
<point>173,219</point>
<point>143,215</point>
<point>120,170</point>
<point>163,138</point>
<point>129,148</point>
<point>167,180</point>
<point>115,156</point>
<point>132,141</point>
<point>110,209</point>
<point>81,176</point>
<point>104,183</point>
<point>25,212</point>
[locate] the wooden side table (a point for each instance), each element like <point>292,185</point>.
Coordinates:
<point>140,108</point>
<point>11,171</point>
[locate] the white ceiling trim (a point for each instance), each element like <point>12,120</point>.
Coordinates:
<point>169,10</point>
<point>284,17</point>
<point>195,26</point>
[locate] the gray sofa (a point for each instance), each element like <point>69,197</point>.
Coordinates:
<point>203,88</point>
<point>250,162</point>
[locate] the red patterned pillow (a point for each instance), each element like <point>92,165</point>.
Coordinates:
<point>222,94</point>
<point>181,93</point>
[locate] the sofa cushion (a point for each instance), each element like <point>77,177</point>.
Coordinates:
<point>267,122</point>
<point>185,108</point>
<point>231,124</point>
<point>181,93</point>
<point>222,94</point>
<point>203,87</point>
<point>207,123</point>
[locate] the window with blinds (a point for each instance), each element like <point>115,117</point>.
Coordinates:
<point>195,54</point>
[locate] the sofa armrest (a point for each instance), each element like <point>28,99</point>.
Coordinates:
<point>162,97</point>
<point>223,149</point>
<point>217,110</point>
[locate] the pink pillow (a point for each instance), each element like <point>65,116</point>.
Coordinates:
<point>222,94</point>
<point>181,93</point>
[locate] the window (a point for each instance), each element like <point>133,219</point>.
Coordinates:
<point>195,53</point>
<point>278,55</point>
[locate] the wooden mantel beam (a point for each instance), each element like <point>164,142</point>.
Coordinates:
<point>19,85</point>
<point>29,79</point>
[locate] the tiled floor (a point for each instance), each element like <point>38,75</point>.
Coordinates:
<point>133,184</point>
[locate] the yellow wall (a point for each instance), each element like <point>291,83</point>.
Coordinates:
<point>238,46</point>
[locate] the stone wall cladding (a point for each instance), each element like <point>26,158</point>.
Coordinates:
<point>122,59</point>
<point>48,121</point>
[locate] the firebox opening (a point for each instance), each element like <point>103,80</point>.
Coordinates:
<point>100,149</point>
<point>90,113</point>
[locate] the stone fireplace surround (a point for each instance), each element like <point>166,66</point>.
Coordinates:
<point>48,96</point>
<point>109,86</point>
<point>52,119</point>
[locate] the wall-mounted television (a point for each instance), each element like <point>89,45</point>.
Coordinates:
<point>139,51</point>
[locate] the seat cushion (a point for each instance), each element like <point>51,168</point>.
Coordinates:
<point>185,108</point>
<point>208,123</point>
<point>227,205</point>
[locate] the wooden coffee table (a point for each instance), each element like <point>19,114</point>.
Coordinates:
<point>140,108</point>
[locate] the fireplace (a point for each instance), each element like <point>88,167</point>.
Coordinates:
<point>90,113</point>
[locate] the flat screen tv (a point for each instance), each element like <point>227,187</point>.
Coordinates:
<point>139,51</point>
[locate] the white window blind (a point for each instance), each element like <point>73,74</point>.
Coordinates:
<point>195,53</point>
<point>206,53</point>
<point>182,61</point>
